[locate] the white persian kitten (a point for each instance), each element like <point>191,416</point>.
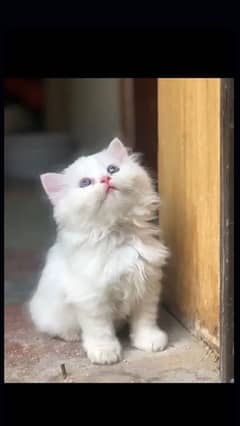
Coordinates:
<point>106,263</point>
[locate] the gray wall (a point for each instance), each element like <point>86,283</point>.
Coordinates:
<point>94,112</point>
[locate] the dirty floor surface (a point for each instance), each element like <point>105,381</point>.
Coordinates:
<point>33,357</point>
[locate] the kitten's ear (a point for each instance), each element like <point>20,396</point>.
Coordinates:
<point>54,185</point>
<point>117,149</point>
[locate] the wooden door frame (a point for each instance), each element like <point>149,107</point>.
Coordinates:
<point>227,232</point>
<point>127,111</point>
<point>138,111</point>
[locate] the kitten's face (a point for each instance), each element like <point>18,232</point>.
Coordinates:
<point>99,189</point>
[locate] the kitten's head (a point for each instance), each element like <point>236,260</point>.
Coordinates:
<point>101,190</point>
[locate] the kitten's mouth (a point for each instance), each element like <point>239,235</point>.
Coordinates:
<point>111,188</point>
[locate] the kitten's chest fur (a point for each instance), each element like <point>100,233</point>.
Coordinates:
<point>111,267</point>
<point>106,261</point>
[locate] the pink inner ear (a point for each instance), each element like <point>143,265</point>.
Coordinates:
<point>54,185</point>
<point>117,149</point>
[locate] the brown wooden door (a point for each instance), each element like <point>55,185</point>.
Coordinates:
<point>189,182</point>
<point>184,128</point>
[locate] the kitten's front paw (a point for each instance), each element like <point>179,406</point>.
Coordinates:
<point>104,353</point>
<point>150,340</point>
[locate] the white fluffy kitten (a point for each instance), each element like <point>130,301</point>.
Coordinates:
<point>106,263</point>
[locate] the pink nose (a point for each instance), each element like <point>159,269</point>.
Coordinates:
<point>105,179</point>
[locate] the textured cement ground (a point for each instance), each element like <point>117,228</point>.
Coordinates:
<point>32,357</point>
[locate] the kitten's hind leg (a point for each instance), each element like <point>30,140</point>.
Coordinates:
<point>56,319</point>
<point>70,335</point>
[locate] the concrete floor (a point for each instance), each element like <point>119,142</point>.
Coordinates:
<point>32,357</point>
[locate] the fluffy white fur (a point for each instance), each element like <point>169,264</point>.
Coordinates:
<point>106,263</point>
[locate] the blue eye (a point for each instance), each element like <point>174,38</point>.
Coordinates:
<point>85,182</point>
<point>112,169</point>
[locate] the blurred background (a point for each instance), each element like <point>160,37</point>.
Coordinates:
<point>48,123</point>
